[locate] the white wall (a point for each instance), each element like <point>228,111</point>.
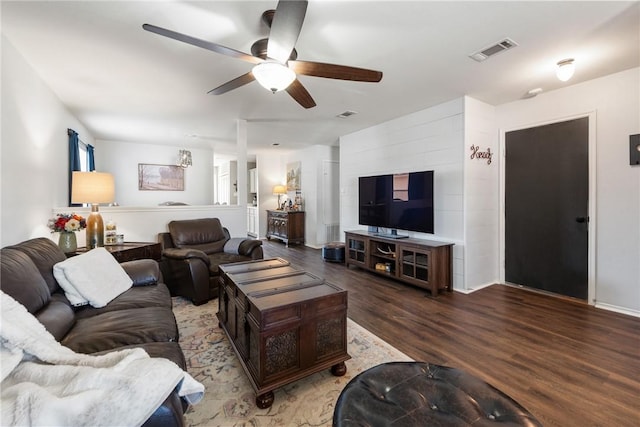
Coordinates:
<point>312,159</point>
<point>34,153</point>
<point>481,196</point>
<point>615,100</point>
<point>271,171</point>
<point>122,159</point>
<point>431,139</point>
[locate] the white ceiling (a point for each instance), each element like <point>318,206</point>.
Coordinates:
<point>127,84</point>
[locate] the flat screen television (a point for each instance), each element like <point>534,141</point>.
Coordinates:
<point>402,201</point>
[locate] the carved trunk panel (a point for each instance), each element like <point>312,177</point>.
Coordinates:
<point>284,324</point>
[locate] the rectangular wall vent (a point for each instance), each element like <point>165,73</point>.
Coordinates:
<point>495,48</point>
<point>346,114</point>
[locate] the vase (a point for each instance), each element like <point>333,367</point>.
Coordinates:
<point>67,241</point>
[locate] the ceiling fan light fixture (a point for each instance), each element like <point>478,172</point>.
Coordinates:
<point>273,75</point>
<point>565,69</point>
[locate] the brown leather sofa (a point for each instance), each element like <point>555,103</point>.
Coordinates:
<point>140,317</point>
<point>193,249</point>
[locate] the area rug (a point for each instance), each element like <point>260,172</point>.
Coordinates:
<point>229,399</point>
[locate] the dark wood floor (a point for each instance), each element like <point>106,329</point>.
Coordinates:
<point>568,363</point>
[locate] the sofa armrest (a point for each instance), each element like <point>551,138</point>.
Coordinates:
<point>169,414</point>
<point>185,254</point>
<point>241,246</point>
<point>251,248</point>
<point>143,272</point>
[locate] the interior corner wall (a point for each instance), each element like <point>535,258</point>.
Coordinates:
<point>35,150</point>
<point>312,192</point>
<point>198,178</point>
<point>481,195</point>
<point>431,139</point>
<point>615,101</point>
<point>271,166</point>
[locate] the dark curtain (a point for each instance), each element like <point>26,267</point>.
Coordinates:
<point>74,159</point>
<point>90,160</point>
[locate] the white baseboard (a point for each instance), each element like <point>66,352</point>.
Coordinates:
<point>617,309</point>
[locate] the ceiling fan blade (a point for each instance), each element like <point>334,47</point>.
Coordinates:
<point>285,29</point>
<point>332,71</point>
<point>214,47</point>
<point>300,94</point>
<point>233,84</point>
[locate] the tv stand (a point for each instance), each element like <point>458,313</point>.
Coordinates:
<point>423,263</point>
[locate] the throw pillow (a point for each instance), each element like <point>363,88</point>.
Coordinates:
<point>94,277</point>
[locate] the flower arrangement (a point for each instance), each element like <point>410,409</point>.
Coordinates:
<point>67,222</point>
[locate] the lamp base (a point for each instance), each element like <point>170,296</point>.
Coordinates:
<point>95,229</point>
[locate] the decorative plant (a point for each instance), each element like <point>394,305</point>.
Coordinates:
<point>67,222</point>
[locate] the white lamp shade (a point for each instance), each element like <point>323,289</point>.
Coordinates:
<point>565,70</point>
<point>273,76</point>
<point>92,187</point>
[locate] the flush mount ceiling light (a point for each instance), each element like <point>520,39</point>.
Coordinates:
<point>565,70</point>
<point>273,76</point>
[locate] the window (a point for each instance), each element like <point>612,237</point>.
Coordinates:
<point>83,156</point>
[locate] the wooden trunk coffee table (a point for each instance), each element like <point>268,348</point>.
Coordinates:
<point>283,323</point>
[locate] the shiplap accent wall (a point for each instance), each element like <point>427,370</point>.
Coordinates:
<point>481,196</point>
<point>431,139</point>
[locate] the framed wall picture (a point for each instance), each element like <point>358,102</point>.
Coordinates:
<point>293,176</point>
<point>160,177</point>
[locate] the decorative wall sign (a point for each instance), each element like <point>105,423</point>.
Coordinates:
<point>293,176</point>
<point>160,177</point>
<point>481,155</point>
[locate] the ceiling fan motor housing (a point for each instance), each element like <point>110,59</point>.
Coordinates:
<point>259,49</point>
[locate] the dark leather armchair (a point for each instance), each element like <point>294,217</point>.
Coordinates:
<point>193,249</point>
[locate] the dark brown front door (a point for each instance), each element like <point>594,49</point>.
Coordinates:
<point>546,207</point>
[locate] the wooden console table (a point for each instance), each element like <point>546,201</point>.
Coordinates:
<point>423,263</point>
<point>283,324</point>
<point>129,251</point>
<point>287,226</point>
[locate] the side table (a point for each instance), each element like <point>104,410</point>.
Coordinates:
<point>129,251</point>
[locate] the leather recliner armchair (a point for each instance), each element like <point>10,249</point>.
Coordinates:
<point>193,249</point>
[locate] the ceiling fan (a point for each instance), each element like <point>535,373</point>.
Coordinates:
<point>276,65</point>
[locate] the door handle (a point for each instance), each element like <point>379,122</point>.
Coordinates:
<point>581,219</point>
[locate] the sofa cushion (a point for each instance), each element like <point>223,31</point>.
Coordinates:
<point>223,258</point>
<point>57,316</point>
<point>143,271</point>
<point>22,280</point>
<point>206,234</point>
<point>45,254</point>
<point>120,328</point>
<point>137,297</point>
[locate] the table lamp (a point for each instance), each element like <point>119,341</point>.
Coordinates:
<point>93,188</point>
<point>279,190</point>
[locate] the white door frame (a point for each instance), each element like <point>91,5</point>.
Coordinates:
<point>591,257</point>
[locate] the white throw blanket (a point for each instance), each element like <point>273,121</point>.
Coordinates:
<point>94,277</point>
<point>47,384</point>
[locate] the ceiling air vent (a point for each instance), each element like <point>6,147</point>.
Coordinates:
<point>501,46</point>
<point>346,114</point>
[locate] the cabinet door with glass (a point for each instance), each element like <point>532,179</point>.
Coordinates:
<point>355,252</point>
<point>415,265</point>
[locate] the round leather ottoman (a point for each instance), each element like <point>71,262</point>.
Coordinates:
<point>421,394</point>
<point>333,252</point>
